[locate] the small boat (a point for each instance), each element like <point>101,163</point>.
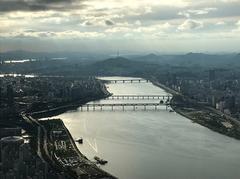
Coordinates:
<point>100,161</point>
<point>171,110</point>
<point>80,140</point>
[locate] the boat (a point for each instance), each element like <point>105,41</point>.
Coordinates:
<point>100,161</point>
<point>79,140</point>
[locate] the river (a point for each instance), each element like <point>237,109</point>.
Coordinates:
<point>152,144</point>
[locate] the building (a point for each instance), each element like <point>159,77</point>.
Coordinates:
<point>10,151</point>
<point>212,75</point>
<point>5,132</point>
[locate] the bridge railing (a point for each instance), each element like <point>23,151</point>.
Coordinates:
<point>138,97</point>
<point>128,81</point>
<point>123,106</point>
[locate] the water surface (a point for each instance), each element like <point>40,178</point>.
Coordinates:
<point>152,144</point>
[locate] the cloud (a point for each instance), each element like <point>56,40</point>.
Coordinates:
<point>238,23</point>
<point>196,12</point>
<point>87,23</point>
<point>221,23</point>
<point>109,22</point>
<point>69,34</point>
<point>190,25</point>
<point>39,5</point>
<point>138,22</point>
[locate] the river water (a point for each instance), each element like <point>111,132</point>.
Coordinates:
<point>152,144</point>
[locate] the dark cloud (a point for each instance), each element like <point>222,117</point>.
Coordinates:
<point>39,5</point>
<point>109,22</point>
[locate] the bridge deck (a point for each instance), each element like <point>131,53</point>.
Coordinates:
<point>128,80</point>
<point>139,97</point>
<point>125,104</point>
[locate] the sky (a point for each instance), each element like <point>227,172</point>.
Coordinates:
<point>128,26</point>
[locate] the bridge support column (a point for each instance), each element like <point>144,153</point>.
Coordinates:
<point>94,108</point>
<point>101,108</point>
<point>81,108</point>
<point>134,107</point>
<point>144,107</point>
<point>87,107</point>
<point>112,107</point>
<point>155,107</point>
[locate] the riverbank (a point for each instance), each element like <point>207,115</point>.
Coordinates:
<point>71,161</point>
<point>203,115</point>
<point>66,154</point>
<point>71,106</point>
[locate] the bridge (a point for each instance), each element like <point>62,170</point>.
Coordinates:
<point>134,106</point>
<point>127,81</point>
<point>138,97</point>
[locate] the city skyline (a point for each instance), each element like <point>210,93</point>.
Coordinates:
<point>132,26</point>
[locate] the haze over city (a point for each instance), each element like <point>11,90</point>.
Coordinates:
<point>130,26</point>
<point>128,89</point>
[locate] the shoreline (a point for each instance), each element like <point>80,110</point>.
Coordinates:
<point>203,115</point>
<point>71,106</point>
<point>182,109</point>
<point>78,165</point>
<point>94,170</point>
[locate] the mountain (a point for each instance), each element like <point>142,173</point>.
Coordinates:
<point>20,54</point>
<point>120,66</point>
<point>151,58</point>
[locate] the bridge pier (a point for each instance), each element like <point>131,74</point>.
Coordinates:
<point>143,106</point>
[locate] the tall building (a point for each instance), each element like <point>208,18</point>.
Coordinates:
<point>10,151</point>
<point>212,75</point>
<point>1,90</point>
<point>10,94</point>
<point>5,132</point>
